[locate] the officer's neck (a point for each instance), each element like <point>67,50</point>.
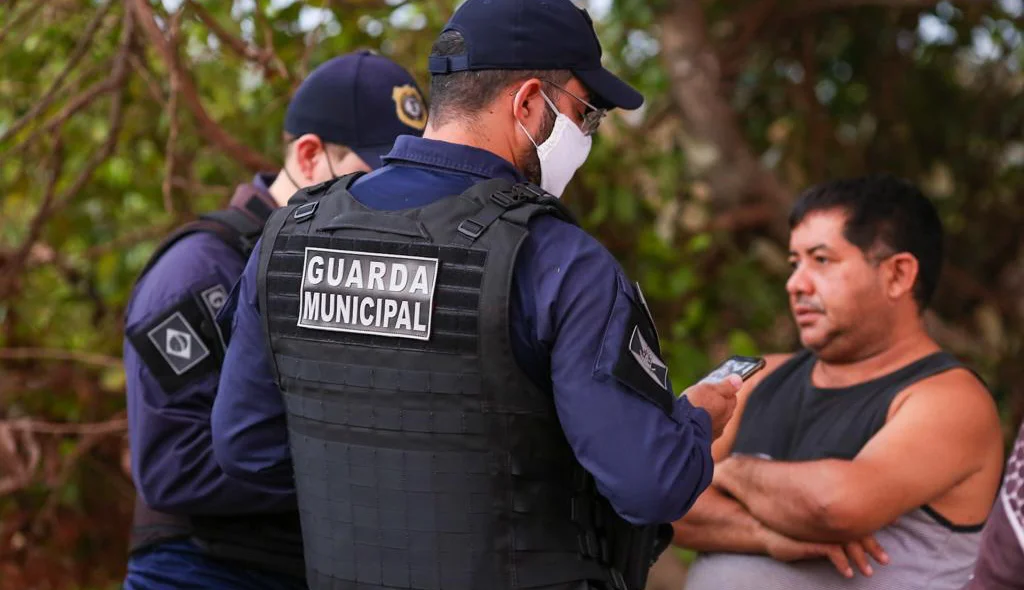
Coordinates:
<point>478,133</point>
<point>282,189</point>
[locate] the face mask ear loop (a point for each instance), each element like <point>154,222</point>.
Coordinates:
<point>329,166</point>
<point>550,104</point>
<point>528,136</point>
<point>289,175</point>
<point>523,127</point>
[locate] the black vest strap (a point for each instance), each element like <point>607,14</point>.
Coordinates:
<point>238,226</point>
<point>150,527</point>
<point>270,232</point>
<point>391,224</point>
<point>303,200</point>
<point>501,199</point>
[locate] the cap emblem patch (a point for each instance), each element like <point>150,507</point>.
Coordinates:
<point>409,106</point>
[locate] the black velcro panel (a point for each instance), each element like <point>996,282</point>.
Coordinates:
<point>456,294</point>
<point>639,365</point>
<point>180,345</point>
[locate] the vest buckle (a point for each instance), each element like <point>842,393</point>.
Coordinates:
<point>618,582</point>
<point>305,211</point>
<point>471,228</point>
<point>529,191</point>
<point>505,199</point>
<point>588,545</point>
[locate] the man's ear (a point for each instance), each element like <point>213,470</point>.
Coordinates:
<point>523,101</point>
<point>306,150</point>
<point>901,270</point>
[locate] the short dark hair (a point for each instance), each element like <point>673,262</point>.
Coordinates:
<point>465,93</point>
<point>884,213</point>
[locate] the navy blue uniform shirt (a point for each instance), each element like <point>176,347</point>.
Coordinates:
<point>172,460</point>
<point>569,308</point>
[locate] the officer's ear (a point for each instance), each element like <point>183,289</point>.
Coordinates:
<point>527,103</point>
<point>306,151</point>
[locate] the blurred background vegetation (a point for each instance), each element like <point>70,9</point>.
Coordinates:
<point>121,120</point>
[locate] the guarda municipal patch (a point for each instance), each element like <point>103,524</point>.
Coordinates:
<point>367,293</point>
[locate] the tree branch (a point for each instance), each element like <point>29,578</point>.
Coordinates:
<point>20,469</point>
<point>79,102</point>
<point>266,58</point>
<point>20,452</point>
<point>750,23</point>
<point>118,77</point>
<point>745,218</point>
<point>194,187</point>
<point>311,41</point>
<point>130,239</point>
<point>815,7</point>
<point>14,265</point>
<point>172,110</point>
<point>84,44</point>
<point>141,68</point>
<point>56,354</point>
<point>91,436</point>
<point>718,152</point>
<point>245,155</point>
<point>115,425</point>
<point>817,136</point>
<point>17,19</point>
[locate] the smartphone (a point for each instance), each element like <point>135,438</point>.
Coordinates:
<point>744,366</point>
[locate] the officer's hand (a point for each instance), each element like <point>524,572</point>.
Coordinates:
<point>719,399</point>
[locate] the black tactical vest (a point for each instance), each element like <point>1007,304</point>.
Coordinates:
<point>424,457</point>
<point>271,542</point>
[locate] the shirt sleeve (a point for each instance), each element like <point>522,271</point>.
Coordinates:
<point>249,424</point>
<point>171,371</point>
<point>648,450</point>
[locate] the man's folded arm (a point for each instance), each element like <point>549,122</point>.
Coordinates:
<point>717,523</point>
<point>936,438</point>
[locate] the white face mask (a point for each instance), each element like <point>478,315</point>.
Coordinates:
<point>562,153</point>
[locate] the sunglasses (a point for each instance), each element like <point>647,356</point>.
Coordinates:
<point>591,118</point>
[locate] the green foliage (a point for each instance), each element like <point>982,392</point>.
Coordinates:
<point>817,91</point>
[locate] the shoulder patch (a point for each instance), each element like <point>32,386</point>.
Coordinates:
<point>178,343</point>
<point>639,365</point>
<point>645,357</point>
<point>182,343</point>
<point>214,298</point>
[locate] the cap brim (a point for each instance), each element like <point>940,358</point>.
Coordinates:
<point>372,154</point>
<point>608,91</point>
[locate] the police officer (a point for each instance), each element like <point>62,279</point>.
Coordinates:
<point>473,392</point>
<point>195,526</point>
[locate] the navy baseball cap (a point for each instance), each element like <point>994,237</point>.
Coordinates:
<point>360,100</point>
<point>534,35</point>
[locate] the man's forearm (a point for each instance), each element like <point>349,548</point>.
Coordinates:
<point>718,523</point>
<point>796,499</point>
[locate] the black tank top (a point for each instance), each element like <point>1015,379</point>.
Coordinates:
<point>789,419</point>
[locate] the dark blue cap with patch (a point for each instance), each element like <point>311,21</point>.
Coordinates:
<point>360,100</point>
<point>534,35</point>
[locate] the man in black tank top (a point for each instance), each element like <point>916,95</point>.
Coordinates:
<point>870,446</point>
